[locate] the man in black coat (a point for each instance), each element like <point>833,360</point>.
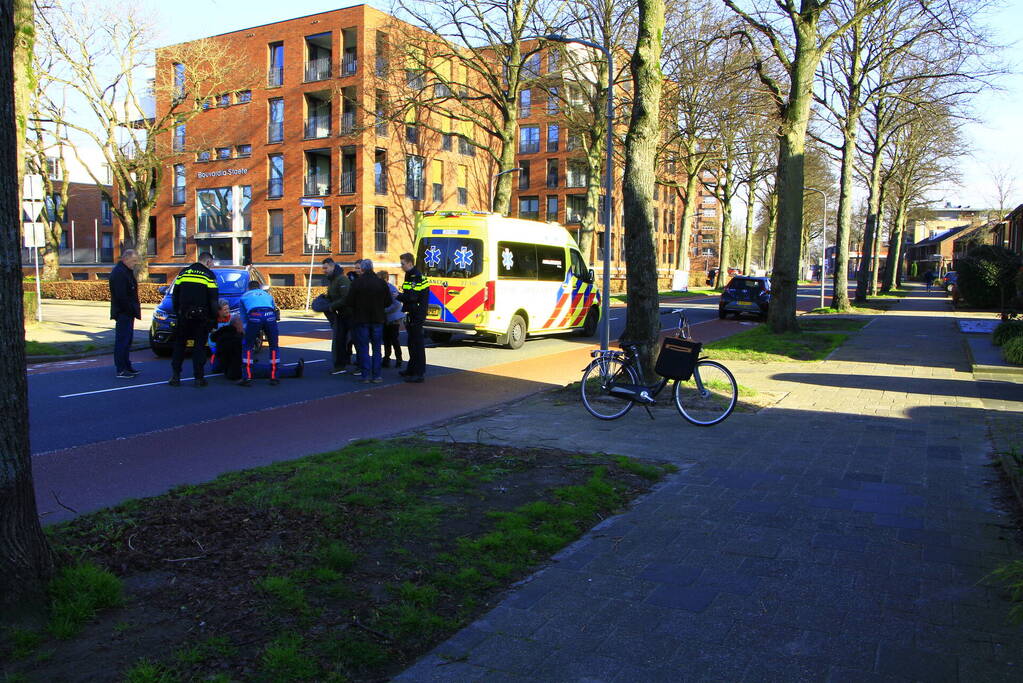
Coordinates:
<point>196,302</point>
<point>124,311</point>
<point>368,299</point>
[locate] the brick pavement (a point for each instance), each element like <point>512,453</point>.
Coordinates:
<point>843,534</point>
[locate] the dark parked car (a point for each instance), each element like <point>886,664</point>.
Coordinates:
<point>232,283</point>
<point>745,295</point>
<point>948,280</point>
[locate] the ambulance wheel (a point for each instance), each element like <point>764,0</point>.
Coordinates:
<point>440,337</point>
<point>516,332</point>
<point>590,324</point>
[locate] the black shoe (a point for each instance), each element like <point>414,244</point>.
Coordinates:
<point>124,374</point>
<point>134,371</point>
<point>339,371</point>
<point>385,363</point>
<point>397,364</point>
<point>414,380</point>
<point>300,367</point>
<point>244,382</point>
<point>274,382</point>
<point>404,373</point>
<point>175,381</point>
<point>200,381</point>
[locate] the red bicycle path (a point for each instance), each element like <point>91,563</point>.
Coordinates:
<point>94,476</point>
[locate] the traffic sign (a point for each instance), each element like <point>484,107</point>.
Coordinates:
<point>314,214</point>
<point>32,187</point>
<point>35,234</point>
<point>305,201</point>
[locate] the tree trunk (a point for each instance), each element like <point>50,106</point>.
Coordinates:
<point>595,166</point>
<point>772,230</point>
<point>725,245</point>
<point>891,265</point>
<point>875,252</point>
<point>751,205</point>
<point>50,260</point>
<point>503,190</point>
<point>863,274</point>
<point>840,277</point>
<point>642,324</point>
<point>26,561</point>
<point>688,213</point>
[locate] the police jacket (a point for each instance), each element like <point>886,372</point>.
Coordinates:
<point>195,292</point>
<point>124,292</point>
<point>369,298</point>
<point>415,296</point>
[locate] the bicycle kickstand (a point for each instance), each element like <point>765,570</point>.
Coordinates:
<point>648,411</point>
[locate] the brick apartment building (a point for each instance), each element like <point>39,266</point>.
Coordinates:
<point>314,126</point>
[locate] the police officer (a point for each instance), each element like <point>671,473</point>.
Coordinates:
<point>196,300</point>
<point>260,315</point>
<point>415,295</point>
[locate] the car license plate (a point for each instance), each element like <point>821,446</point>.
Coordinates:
<point>745,303</point>
<point>433,311</point>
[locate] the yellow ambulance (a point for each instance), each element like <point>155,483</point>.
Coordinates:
<point>503,278</point>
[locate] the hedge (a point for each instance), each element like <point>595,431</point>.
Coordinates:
<point>1006,330</point>
<point>1012,351</point>
<point>291,298</point>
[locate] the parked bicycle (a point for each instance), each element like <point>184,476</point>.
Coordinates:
<point>705,392</point>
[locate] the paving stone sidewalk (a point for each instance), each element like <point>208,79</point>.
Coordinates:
<point>843,534</point>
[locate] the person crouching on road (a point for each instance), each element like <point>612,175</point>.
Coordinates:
<point>124,311</point>
<point>393,325</point>
<point>257,309</point>
<point>195,300</point>
<point>415,297</point>
<point>368,299</point>
<point>229,339</point>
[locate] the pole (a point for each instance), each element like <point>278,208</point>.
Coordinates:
<point>39,289</point>
<point>605,302</point>
<point>95,227</point>
<point>309,291</point>
<point>72,241</point>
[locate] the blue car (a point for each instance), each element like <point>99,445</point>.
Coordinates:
<point>231,282</point>
<point>745,294</point>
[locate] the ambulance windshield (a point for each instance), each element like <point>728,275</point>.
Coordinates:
<point>459,257</point>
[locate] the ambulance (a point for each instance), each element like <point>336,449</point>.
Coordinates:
<point>503,279</point>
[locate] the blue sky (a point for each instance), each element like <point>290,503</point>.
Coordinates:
<point>996,139</point>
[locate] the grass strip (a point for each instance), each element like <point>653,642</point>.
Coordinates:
<point>761,345</point>
<point>35,348</point>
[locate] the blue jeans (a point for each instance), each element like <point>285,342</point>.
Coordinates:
<point>124,330</point>
<point>261,320</point>
<point>366,333</point>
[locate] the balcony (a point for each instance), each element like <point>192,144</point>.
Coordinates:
<point>348,123</point>
<point>317,127</point>
<point>317,69</point>
<point>275,77</point>
<point>348,182</point>
<point>381,67</point>
<point>348,242</point>
<point>317,187</point>
<point>349,63</point>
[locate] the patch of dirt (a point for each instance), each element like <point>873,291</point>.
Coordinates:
<point>190,561</point>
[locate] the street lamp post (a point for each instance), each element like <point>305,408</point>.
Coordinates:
<point>824,241</point>
<point>605,302</point>
<point>493,185</point>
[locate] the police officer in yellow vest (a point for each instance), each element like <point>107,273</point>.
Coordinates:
<point>195,298</point>
<point>415,296</point>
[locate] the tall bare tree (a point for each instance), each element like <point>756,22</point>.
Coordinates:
<point>642,324</point>
<point>101,54</point>
<point>26,561</point>
<point>1004,187</point>
<point>796,35</point>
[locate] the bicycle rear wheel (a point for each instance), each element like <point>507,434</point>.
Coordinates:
<point>709,397</point>
<point>598,378</point>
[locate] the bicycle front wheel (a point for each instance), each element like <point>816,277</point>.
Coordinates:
<point>709,396</point>
<point>598,377</point>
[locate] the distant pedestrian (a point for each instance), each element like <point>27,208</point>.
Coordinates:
<point>929,279</point>
<point>369,299</point>
<point>392,328</point>
<point>259,313</point>
<point>195,300</point>
<point>415,297</point>
<point>124,311</point>
<point>338,286</point>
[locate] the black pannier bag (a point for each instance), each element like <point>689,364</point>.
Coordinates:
<point>677,358</point>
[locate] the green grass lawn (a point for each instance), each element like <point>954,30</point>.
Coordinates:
<point>671,294</point>
<point>817,339</point>
<point>344,566</point>
<point>34,348</point>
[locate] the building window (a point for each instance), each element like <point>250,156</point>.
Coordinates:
<point>445,142</point>
<point>179,184</point>
<point>275,231</point>
<point>523,175</point>
<point>553,60</point>
<point>242,151</point>
<point>380,171</point>
<point>414,79</point>
<point>224,100</point>
<point>179,80</point>
<point>412,134</point>
<point>318,57</point>
<point>349,55</point>
<point>414,180</point>
<point>317,121</point>
<point>381,113</point>
<point>243,96</point>
<point>224,209</point>
<point>552,173</point>
<point>53,168</point>
<point>275,184</point>
<point>105,212</point>
<point>531,67</point>
<point>529,208</point>
<point>380,229</point>
<point>347,229</point>
<point>553,103</point>
<point>317,172</point>
<point>179,138</point>
<point>553,137</point>
<point>575,208</point>
<point>552,208</point>
<point>578,174</point>
<point>275,74</point>
<point>348,106</point>
<point>275,128</point>
<point>282,280</point>
<point>382,50</point>
<point>204,155</point>
<point>180,235</point>
<point>465,147</point>
<point>463,185</point>
<point>574,142</point>
<point>525,103</point>
<point>348,170</point>
<point>223,153</point>
<point>529,139</point>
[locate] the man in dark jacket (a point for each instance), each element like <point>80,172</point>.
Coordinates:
<point>368,299</point>
<point>415,297</point>
<point>338,287</point>
<point>195,299</point>
<point>124,311</point>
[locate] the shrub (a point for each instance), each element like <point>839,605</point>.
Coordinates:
<point>290,298</point>
<point>1007,330</point>
<point>30,304</point>
<point>914,270</point>
<point>1012,351</point>
<point>986,276</point>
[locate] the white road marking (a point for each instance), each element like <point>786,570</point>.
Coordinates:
<point>153,384</point>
